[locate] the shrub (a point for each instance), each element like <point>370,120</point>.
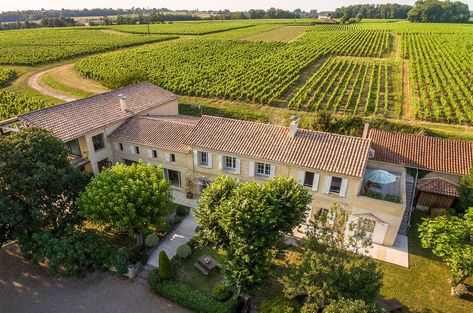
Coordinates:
<point>277,305</point>
<point>221,293</point>
<point>392,198</point>
<point>121,262</point>
<point>184,295</point>
<point>184,251</point>
<point>151,240</point>
<point>165,267</point>
<point>373,194</point>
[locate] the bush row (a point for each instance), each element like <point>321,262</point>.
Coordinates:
<point>184,295</point>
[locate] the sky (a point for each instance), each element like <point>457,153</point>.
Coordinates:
<point>11,5</point>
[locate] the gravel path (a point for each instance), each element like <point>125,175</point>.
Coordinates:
<point>33,82</point>
<point>25,288</point>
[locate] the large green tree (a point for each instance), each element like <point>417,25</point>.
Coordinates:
<point>38,184</point>
<point>330,267</point>
<point>248,220</point>
<point>127,199</point>
<point>451,239</point>
<point>466,191</point>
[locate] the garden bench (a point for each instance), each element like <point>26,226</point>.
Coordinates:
<point>200,268</point>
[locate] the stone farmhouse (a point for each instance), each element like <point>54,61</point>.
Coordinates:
<point>141,122</point>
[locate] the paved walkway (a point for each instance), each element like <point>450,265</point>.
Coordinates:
<point>29,289</point>
<point>181,235</point>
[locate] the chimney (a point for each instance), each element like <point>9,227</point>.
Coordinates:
<point>293,126</point>
<point>123,103</point>
<point>366,130</point>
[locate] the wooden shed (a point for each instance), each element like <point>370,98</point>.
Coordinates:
<point>436,192</point>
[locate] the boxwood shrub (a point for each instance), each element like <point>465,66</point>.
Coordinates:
<point>188,297</point>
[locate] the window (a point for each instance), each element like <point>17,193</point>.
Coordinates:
<point>129,162</point>
<point>263,169</point>
<point>99,142</point>
<point>137,150</point>
<point>174,177</point>
<point>120,146</point>
<point>309,179</point>
<point>74,147</point>
<point>155,154</point>
<point>104,164</point>
<point>335,185</point>
<point>203,158</point>
<point>368,225</point>
<point>172,157</point>
<point>230,163</point>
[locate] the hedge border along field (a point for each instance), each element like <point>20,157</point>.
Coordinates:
<point>43,45</point>
<point>13,104</point>
<point>6,76</point>
<point>441,70</point>
<point>348,85</point>
<point>188,28</point>
<point>240,70</point>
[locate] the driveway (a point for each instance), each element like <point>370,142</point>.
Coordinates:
<point>25,288</point>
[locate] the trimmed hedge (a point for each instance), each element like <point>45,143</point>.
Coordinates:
<point>184,295</point>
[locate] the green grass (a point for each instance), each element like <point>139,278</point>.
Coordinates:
<point>424,286</point>
<point>189,274</point>
<point>49,81</point>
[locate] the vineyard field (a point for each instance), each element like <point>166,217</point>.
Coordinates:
<point>182,28</point>
<point>13,104</point>
<point>6,75</point>
<point>39,46</point>
<point>349,86</point>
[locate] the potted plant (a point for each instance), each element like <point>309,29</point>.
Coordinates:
<point>189,187</point>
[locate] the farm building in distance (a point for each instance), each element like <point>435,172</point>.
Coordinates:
<point>369,177</point>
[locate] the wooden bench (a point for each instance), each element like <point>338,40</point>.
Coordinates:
<point>200,268</point>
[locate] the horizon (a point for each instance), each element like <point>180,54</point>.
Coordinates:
<point>242,5</point>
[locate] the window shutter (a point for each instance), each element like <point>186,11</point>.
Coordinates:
<point>195,157</point>
<point>210,160</point>
<point>132,149</point>
<point>220,162</point>
<point>167,157</point>
<point>251,171</point>
<point>328,181</point>
<point>315,182</point>
<point>117,146</point>
<point>150,153</point>
<point>301,177</point>
<point>238,165</point>
<point>272,171</point>
<point>343,187</point>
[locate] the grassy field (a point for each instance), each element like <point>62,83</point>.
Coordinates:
<point>286,34</point>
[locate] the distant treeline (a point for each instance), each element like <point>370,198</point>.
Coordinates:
<point>380,11</point>
<point>439,11</point>
<point>44,22</point>
<point>264,14</point>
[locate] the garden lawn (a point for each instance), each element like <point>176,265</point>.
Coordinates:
<point>189,274</point>
<point>424,286</point>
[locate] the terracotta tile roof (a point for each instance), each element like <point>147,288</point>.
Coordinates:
<point>438,185</point>
<point>167,133</point>
<point>73,119</point>
<point>431,153</point>
<point>322,151</point>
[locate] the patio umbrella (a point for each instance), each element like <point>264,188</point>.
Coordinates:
<point>380,176</point>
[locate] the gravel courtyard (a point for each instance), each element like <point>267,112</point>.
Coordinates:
<point>25,288</point>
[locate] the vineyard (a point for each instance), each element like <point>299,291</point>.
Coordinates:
<point>6,75</point>
<point>182,28</point>
<point>38,46</point>
<point>13,104</point>
<point>441,70</point>
<point>348,86</point>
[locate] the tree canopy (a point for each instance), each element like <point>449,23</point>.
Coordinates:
<point>38,184</point>
<point>247,221</point>
<point>380,11</point>
<point>329,274</point>
<point>451,239</point>
<point>466,191</point>
<point>127,198</point>
<point>439,11</point>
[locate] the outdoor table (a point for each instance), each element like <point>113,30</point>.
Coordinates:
<point>208,262</point>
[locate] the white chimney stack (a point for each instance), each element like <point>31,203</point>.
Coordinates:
<point>293,126</point>
<point>123,106</point>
